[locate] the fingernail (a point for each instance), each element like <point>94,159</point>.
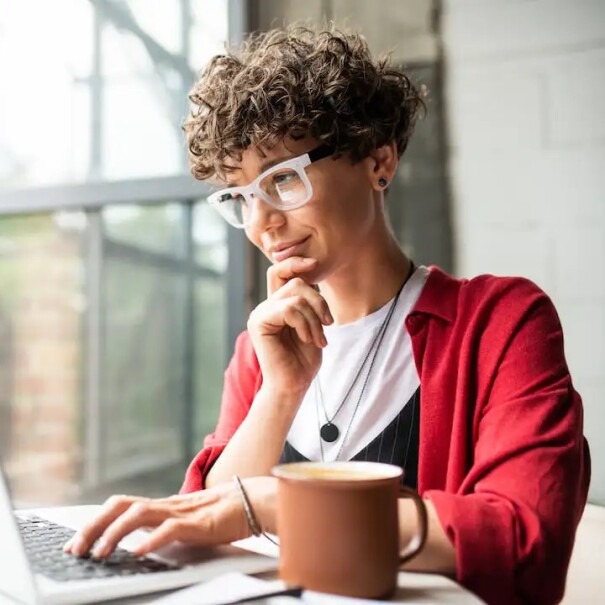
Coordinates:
<point>68,545</point>
<point>328,319</point>
<point>324,342</point>
<point>101,550</point>
<point>309,261</point>
<point>77,547</point>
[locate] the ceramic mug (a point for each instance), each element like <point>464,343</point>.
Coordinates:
<point>338,526</point>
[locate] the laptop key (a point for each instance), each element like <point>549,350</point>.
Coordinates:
<point>44,545</point>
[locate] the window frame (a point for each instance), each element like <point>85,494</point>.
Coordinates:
<point>92,198</point>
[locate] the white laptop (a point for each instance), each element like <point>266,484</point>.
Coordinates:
<point>34,570</point>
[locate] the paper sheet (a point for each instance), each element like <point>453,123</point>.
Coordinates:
<point>232,586</point>
<point>224,589</point>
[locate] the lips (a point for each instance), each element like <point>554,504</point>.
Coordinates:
<point>283,250</point>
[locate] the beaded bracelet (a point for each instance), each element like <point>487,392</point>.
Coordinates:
<point>250,516</point>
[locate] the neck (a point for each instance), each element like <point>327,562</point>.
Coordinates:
<point>368,282</point>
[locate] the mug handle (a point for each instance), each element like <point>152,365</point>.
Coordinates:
<point>417,542</point>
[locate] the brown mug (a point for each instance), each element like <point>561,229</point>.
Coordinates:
<point>338,527</point>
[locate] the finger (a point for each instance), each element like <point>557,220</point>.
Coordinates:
<point>271,317</point>
<point>310,324</point>
<point>169,531</point>
<point>140,514</point>
<point>113,507</point>
<point>295,319</point>
<point>298,287</point>
<point>282,272</point>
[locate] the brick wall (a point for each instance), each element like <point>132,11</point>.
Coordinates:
<point>42,376</point>
<point>525,89</point>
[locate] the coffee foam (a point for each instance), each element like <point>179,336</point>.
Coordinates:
<point>338,471</point>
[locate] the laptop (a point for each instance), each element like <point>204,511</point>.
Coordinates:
<point>34,570</point>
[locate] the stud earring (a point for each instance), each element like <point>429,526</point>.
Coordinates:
<point>382,182</point>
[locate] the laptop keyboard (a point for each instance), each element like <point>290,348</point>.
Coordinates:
<point>44,542</point>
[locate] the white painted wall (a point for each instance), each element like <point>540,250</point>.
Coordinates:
<point>525,93</point>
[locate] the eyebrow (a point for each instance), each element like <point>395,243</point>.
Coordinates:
<point>270,163</point>
<point>265,166</point>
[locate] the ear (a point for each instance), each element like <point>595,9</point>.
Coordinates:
<point>382,164</point>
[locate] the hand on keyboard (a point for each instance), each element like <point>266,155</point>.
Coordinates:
<point>209,517</point>
<point>43,542</point>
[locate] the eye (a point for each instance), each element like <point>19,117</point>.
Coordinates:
<point>285,178</point>
<point>229,198</point>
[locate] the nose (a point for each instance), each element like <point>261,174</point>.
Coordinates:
<point>264,216</point>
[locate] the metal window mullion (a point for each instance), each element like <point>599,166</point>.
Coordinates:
<point>238,20</point>
<point>93,195</point>
<point>95,167</point>
<point>190,350</point>
<point>94,337</point>
<point>236,287</point>
<point>186,82</point>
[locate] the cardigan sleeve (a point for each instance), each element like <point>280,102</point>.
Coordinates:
<point>514,517</point>
<point>241,383</point>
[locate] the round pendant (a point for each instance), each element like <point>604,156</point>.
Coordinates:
<point>329,432</point>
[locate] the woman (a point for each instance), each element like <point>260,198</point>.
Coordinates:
<point>356,353</point>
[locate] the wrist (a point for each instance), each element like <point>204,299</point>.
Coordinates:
<point>262,492</point>
<point>286,398</point>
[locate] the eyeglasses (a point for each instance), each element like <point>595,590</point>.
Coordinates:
<point>284,186</point>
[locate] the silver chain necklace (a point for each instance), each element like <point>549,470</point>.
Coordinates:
<point>329,431</point>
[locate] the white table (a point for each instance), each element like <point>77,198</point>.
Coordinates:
<point>413,588</point>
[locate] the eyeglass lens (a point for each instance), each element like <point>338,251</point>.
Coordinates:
<point>285,188</point>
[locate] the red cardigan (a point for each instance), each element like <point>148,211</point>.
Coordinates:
<point>501,455</point>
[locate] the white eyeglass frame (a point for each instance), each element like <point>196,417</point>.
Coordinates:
<point>252,192</point>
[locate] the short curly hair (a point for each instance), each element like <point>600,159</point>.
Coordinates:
<point>295,82</point>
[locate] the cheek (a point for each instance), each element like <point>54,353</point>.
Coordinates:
<point>347,212</point>
<point>329,222</point>
<point>347,194</point>
<point>254,239</point>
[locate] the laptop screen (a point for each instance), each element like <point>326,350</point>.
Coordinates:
<point>16,579</point>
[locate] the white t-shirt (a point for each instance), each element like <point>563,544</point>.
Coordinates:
<point>391,384</point>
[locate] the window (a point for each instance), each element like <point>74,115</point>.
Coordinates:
<point>117,305</point>
<point>102,92</point>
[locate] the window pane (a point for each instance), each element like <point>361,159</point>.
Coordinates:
<point>210,238</point>
<point>106,110</point>
<point>143,368</point>
<point>144,364</point>
<point>41,371</point>
<point>154,228</point>
<point>43,119</point>
<point>147,367</point>
<point>211,303</point>
<point>159,380</point>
